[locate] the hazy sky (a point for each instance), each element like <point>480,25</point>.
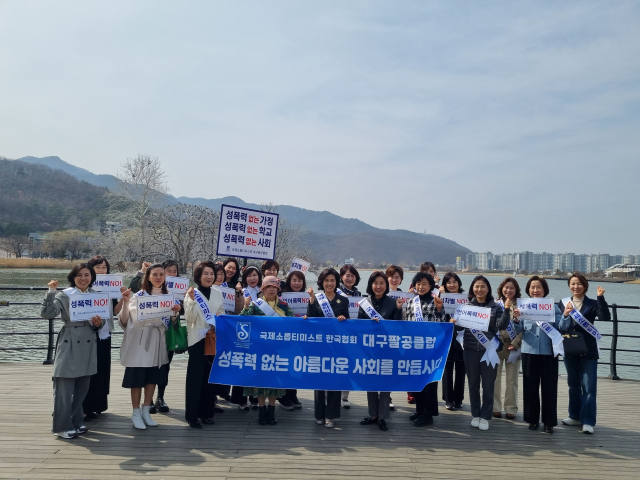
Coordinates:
<point>504,126</point>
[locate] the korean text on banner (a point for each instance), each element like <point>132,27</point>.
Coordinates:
<point>247,233</point>
<point>537,309</point>
<point>298,302</point>
<point>87,305</point>
<point>322,353</point>
<point>154,306</point>
<point>228,297</point>
<point>452,300</point>
<point>469,316</point>
<point>110,284</point>
<point>178,286</point>
<point>354,306</point>
<point>300,265</point>
<point>405,296</point>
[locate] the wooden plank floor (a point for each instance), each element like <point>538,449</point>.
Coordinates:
<point>237,447</point>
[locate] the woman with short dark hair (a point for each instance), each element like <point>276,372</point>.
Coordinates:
<point>349,280</point>
<point>395,275</point>
<point>582,370</point>
<point>453,386</point>
<point>76,352</point>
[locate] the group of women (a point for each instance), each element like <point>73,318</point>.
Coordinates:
<point>82,364</point>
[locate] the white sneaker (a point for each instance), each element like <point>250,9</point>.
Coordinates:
<point>82,429</point>
<point>146,417</point>
<point>484,424</point>
<point>345,403</point>
<point>136,418</point>
<point>392,407</point>
<point>68,434</point>
<point>475,422</point>
<point>571,422</point>
<point>587,429</point>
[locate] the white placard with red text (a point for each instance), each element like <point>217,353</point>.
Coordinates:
<point>110,284</point>
<point>154,306</point>
<point>87,305</point>
<point>228,298</point>
<point>452,300</point>
<point>470,316</point>
<point>537,309</point>
<point>178,286</point>
<point>298,302</point>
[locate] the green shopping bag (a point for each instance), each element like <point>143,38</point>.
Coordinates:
<point>176,337</point>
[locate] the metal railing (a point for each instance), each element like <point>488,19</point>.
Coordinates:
<point>51,333</point>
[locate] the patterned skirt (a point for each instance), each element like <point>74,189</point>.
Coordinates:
<point>263,392</point>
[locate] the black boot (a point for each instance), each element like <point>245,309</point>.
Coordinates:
<point>262,416</point>
<point>272,415</point>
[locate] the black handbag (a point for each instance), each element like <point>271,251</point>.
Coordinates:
<point>574,344</point>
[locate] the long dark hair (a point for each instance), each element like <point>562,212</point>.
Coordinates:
<point>147,286</point>
<point>504,282</point>
<point>234,280</point>
<point>478,279</point>
<point>170,263</point>
<point>300,275</point>
<point>97,260</point>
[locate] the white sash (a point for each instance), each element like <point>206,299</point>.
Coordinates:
<point>554,335</point>
<point>417,309</point>
<point>265,307</point>
<point>165,320</point>
<point>490,355</point>
<point>248,294</point>
<point>201,301</point>
<point>583,322</point>
<point>323,301</point>
<point>369,310</point>
<point>70,291</point>
<point>460,338</point>
<point>224,284</point>
<point>340,292</point>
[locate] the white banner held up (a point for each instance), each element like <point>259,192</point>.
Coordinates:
<point>469,316</point>
<point>537,309</point>
<point>405,296</point>
<point>354,306</point>
<point>452,300</point>
<point>110,284</point>
<point>154,306</point>
<point>300,265</point>
<point>298,302</point>
<point>177,286</point>
<point>87,305</point>
<point>228,297</point>
<point>247,233</point>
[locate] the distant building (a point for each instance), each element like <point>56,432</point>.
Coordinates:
<point>4,253</point>
<point>348,261</point>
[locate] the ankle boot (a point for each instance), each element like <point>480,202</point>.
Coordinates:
<point>262,416</point>
<point>136,418</point>
<point>146,418</point>
<point>272,415</point>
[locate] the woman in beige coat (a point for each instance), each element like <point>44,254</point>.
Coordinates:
<point>76,352</point>
<point>144,347</point>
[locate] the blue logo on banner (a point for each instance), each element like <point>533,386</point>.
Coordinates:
<point>325,354</point>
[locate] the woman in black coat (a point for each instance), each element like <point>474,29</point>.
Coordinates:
<point>327,403</point>
<point>388,309</point>
<point>453,384</point>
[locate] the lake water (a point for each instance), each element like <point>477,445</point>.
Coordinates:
<point>620,294</point>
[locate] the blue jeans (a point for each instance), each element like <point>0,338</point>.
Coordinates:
<point>582,378</point>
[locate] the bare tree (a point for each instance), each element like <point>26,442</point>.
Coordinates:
<point>15,244</point>
<point>141,186</point>
<point>289,241</point>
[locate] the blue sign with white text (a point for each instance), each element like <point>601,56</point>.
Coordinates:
<point>325,354</point>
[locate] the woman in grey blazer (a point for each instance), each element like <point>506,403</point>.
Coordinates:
<point>76,352</point>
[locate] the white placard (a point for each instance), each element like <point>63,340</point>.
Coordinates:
<point>452,300</point>
<point>154,306</point>
<point>405,296</point>
<point>85,306</point>
<point>228,297</point>
<point>354,306</point>
<point>247,233</point>
<point>470,316</point>
<point>537,309</point>
<point>300,265</point>
<point>178,286</point>
<point>298,302</point>
<point>110,284</point>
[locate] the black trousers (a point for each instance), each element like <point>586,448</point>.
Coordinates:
<point>96,399</point>
<point>479,373</point>
<point>166,366</point>
<point>540,375</point>
<point>327,404</point>
<point>453,383</point>
<point>200,398</point>
<point>427,400</point>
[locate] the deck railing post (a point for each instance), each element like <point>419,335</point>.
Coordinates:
<point>49,359</point>
<point>613,366</point>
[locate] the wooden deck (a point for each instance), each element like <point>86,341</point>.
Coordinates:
<point>237,447</point>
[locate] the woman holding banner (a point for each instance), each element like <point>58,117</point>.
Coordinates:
<point>200,306</point>
<point>539,361</point>
<point>222,390</point>
<point>453,385</point>
<point>508,294</point>
<point>144,347</point>
<point>327,303</point>
<point>271,306</point>
<point>480,362</point>
<point>580,314</point>
<point>76,357</point>
<point>424,308</point>
<point>350,278</point>
<point>379,306</point>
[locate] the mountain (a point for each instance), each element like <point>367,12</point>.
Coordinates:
<point>327,236</point>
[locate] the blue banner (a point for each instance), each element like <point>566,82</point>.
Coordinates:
<point>325,354</point>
